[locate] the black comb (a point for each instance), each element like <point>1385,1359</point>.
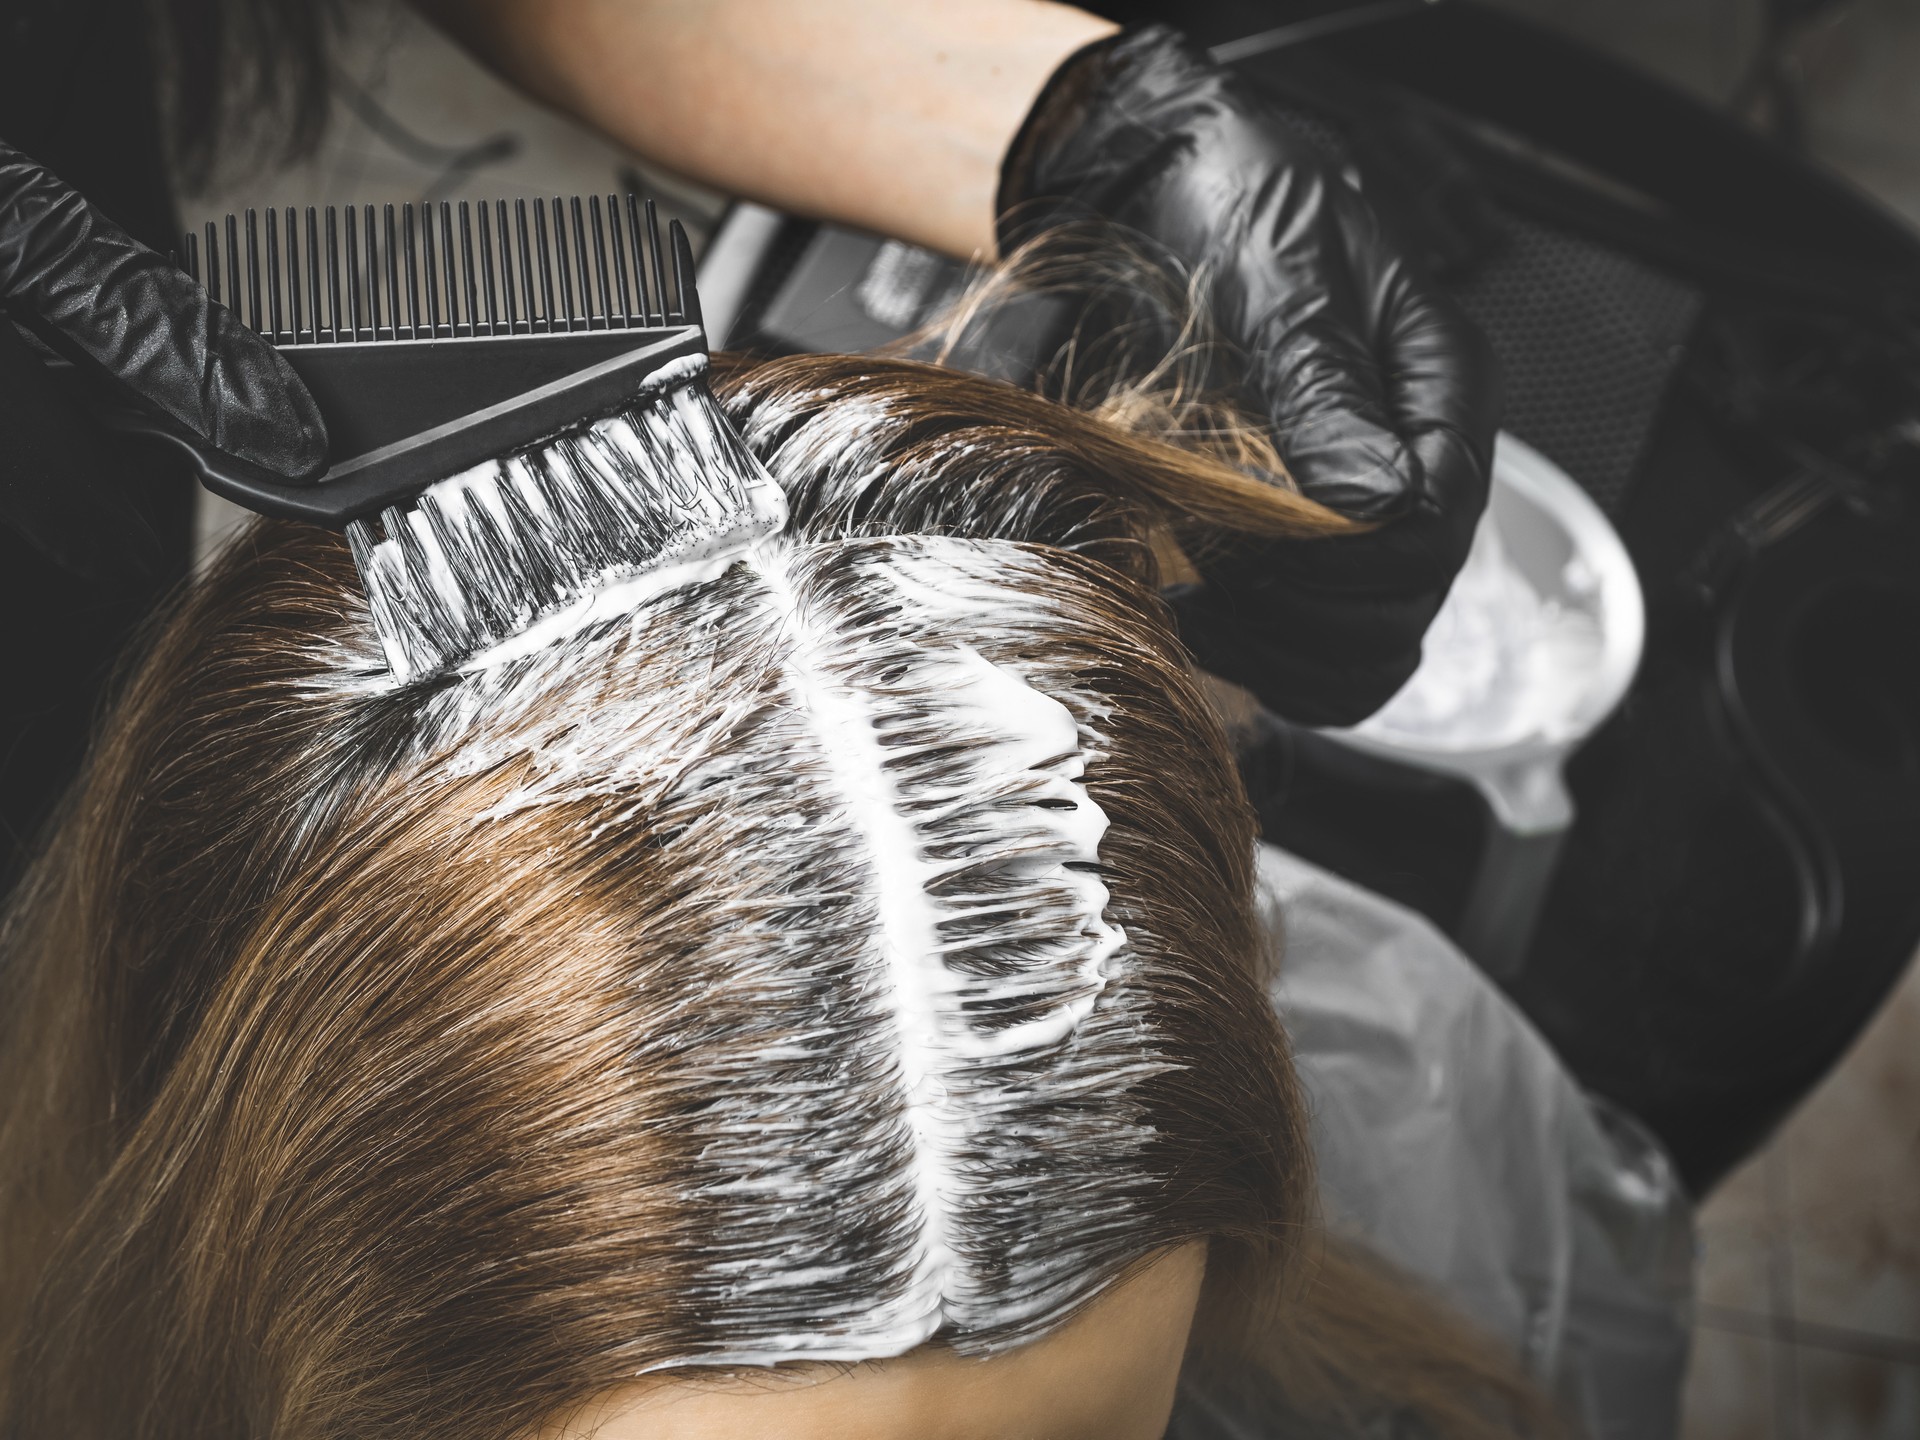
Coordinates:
<point>516,407</point>
<point>436,337</point>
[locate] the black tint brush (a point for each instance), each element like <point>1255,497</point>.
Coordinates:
<point>516,405</point>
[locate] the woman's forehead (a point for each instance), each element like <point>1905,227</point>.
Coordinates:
<point>1107,1373</point>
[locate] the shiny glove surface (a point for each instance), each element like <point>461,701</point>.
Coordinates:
<point>131,319</point>
<point>1381,395</point>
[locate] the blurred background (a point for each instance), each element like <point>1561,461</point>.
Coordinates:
<point>1808,1322</point>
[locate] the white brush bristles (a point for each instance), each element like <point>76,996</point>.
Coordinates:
<point>487,557</point>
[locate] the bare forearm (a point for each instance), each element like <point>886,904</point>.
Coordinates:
<point>892,115</point>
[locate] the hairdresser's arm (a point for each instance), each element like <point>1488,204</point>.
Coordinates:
<point>890,115</point>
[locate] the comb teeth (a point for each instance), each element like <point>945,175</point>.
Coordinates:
<point>537,268</point>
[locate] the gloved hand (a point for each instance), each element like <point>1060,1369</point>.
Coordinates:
<point>133,323</point>
<point>1382,397</point>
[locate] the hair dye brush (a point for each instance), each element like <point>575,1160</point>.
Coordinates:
<point>517,409</point>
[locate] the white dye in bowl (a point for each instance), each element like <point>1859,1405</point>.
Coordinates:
<point>1535,645</point>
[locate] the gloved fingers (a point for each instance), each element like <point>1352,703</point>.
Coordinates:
<point>1322,395</point>
<point>1384,404</point>
<point>1288,296</point>
<point>1442,380</point>
<point>1358,358</point>
<point>1458,475</point>
<point>1311,691</point>
<point>1443,394</point>
<point>1325,631</point>
<point>131,318</point>
<point>1385,583</point>
<point>1316,660</point>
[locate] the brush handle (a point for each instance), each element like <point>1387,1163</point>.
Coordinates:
<point>131,327</point>
<point>546,385</point>
<point>563,331</point>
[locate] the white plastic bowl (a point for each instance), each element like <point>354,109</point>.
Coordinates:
<point>1535,646</point>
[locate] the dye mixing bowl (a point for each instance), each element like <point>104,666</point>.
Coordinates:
<point>1536,644</point>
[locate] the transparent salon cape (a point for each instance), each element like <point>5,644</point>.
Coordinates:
<point>1451,1141</point>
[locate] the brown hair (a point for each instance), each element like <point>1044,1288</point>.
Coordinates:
<point>349,1092</point>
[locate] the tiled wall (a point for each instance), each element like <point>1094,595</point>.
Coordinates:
<point>1809,1319</point>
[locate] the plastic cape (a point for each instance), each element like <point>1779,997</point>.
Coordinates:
<point>1452,1142</point>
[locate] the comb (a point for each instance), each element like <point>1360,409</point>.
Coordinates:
<point>515,401</point>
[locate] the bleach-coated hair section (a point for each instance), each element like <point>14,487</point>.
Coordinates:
<point>916,1005</point>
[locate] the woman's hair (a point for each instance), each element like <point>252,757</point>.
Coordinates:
<point>852,951</point>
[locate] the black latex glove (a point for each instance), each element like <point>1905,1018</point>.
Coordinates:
<point>132,323</point>
<point>1382,396</point>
